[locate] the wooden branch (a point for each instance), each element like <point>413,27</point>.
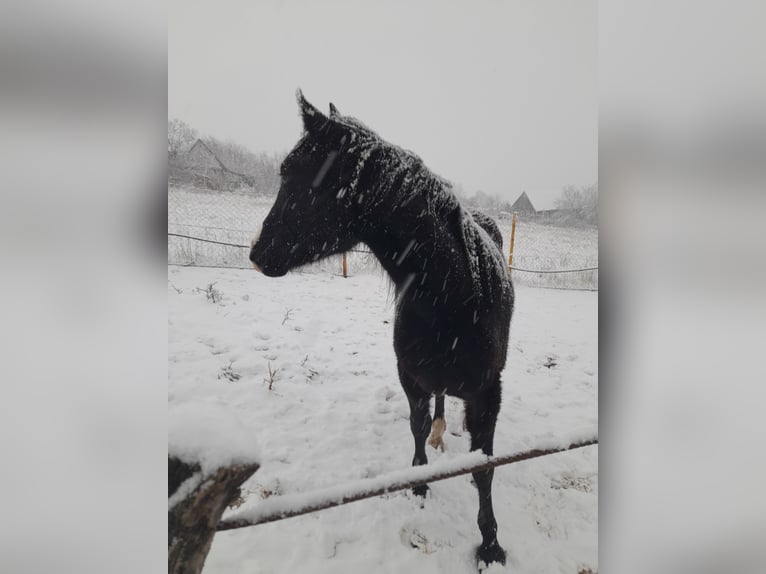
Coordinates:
<point>362,492</point>
<point>192,519</point>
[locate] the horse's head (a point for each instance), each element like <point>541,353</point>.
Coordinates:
<point>313,215</point>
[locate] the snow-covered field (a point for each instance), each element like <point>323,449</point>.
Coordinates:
<point>332,412</point>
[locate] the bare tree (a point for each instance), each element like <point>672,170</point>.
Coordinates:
<point>487,202</point>
<point>181,136</point>
<point>570,199</point>
<point>579,203</point>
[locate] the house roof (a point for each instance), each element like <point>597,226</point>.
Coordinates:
<point>206,147</point>
<point>543,199</point>
<point>215,156</point>
<point>523,203</point>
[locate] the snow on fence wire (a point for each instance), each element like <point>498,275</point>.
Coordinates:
<point>288,506</point>
<point>214,228</point>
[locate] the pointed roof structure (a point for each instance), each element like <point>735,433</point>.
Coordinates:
<point>201,150</point>
<point>523,205</point>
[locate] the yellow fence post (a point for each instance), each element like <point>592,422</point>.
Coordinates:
<point>345,265</point>
<point>513,237</point>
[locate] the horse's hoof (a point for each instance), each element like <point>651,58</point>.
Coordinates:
<point>421,490</point>
<point>487,554</point>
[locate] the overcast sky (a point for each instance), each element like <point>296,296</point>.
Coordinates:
<point>494,95</point>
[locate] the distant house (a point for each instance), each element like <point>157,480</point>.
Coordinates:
<point>551,213</point>
<point>523,205</point>
<point>210,171</point>
<point>202,157</point>
<point>540,203</point>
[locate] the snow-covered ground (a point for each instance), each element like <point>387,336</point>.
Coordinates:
<point>335,413</point>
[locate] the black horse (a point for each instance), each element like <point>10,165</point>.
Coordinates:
<point>342,185</point>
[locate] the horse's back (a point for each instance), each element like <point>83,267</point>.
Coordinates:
<point>489,225</point>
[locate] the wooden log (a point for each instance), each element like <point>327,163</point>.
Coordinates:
<point>195,505</point>
<point>369,488</point>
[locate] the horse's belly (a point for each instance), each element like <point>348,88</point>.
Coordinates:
<point>446,352</point>
<point>457,372</point>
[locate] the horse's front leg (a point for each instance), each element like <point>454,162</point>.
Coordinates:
<point>420,422</point>
<point>481,416</point>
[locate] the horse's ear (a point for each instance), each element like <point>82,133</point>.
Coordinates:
<point>334,113</point>
<point>312,117</point>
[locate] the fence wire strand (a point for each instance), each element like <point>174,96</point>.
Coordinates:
<point>355,251</point>
<point>207,240</point>
<point>209,228</point>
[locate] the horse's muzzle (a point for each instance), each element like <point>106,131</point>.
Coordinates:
<point>261,263</point>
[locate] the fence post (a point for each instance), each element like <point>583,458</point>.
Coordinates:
<point>513,237</point>
<point>345,265</point>
<point>192,519</point>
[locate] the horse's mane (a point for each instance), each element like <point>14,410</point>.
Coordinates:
<point>402,176</point>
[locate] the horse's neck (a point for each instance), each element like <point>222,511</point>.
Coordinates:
<point>410,222</point>
<point>416,248</point>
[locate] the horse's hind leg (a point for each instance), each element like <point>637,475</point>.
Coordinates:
<point>420,422</point>
<point>439,425</point>
<point>481,416</point>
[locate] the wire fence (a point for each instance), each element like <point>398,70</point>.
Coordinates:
<point>214,228</point>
